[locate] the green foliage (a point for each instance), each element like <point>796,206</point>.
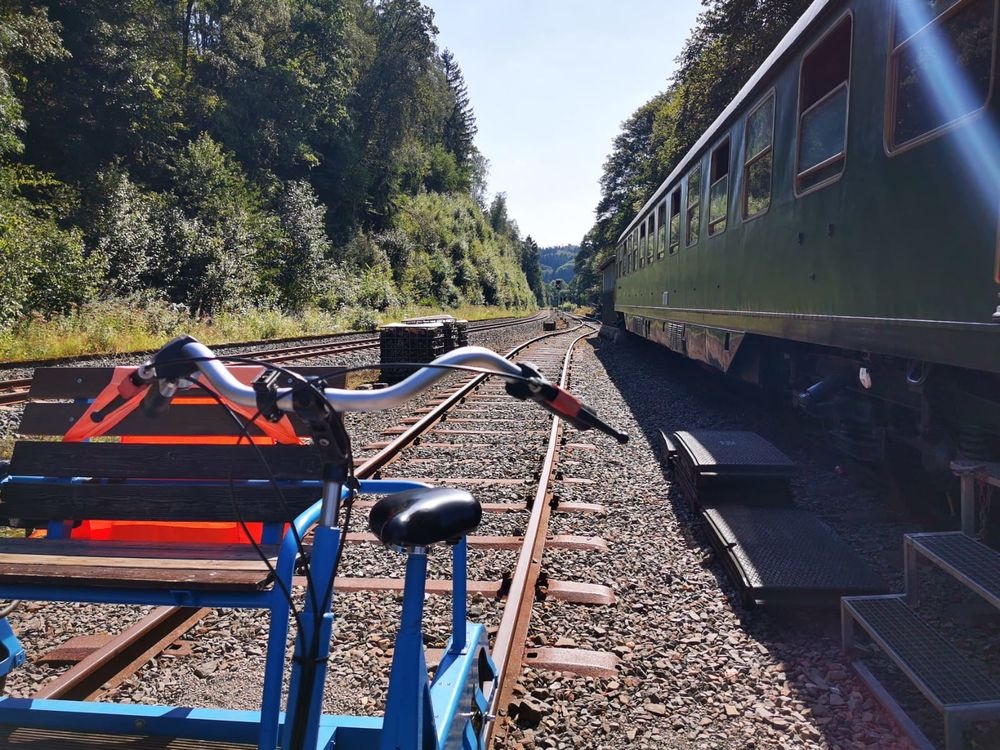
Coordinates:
<point>127,233</point>
<point>532,267</point>
<point>301,260</point>
<point>232,157</point>
<point>457,256</point>
<point>44,265</point>
<point>460,126</point>
<point>25,35</point>
<point>558,262</point>
<point>220,237</point>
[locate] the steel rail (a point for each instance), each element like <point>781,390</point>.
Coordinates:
<point>110,665</point>
<point>510,642</point>
<point>390,452</point>
<point>14,391</point>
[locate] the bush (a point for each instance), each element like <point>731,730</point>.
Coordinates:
<point>363,319</point>
<point>127,234</point>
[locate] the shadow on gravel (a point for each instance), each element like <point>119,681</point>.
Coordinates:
<point>666,392</point>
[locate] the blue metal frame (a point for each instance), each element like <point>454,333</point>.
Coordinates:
<point>450,712</point>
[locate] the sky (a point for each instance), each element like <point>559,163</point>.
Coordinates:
<point>551,82</point>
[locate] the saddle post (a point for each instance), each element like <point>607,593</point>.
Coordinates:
<point>409,715</point>
<point>459,612</point>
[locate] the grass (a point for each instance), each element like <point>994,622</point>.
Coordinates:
<point>115,326</point>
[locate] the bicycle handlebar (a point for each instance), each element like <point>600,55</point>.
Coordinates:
<point>185,357</point>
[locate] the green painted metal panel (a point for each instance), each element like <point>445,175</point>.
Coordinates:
<point>898,256</point>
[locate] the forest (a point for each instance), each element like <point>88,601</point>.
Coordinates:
<point>198,158</point>
<point>728,43</point>
<point>557,262</point>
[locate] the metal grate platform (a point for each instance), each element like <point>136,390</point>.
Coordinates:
<point>784,553</point>
<point>943,675</point>
<point>49,739</point>
<point>733,453</point>
<point>971,562</point>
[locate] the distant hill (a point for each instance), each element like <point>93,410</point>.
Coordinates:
<point>557,262</point>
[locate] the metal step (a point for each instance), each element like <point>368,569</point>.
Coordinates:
<point>972,563</point>
<point>781,553</point>
<point>940,672</point>
<point>733,453</point>
<point>726,466</point>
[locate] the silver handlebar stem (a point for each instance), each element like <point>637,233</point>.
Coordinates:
<point>345,400</point>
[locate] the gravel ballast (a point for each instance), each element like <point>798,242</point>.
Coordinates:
<point>697,670</point>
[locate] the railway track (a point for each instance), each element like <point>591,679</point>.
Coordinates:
<point>471,417</point>
<point>694,669</point>
<point>15,390</point>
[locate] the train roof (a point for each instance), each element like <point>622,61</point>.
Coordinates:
<point>813,12</point>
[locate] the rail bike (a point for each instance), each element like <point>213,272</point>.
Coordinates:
<point>185,438</point>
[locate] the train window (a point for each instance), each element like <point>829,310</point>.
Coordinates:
<point>758,138</point>
<point>823,98</point>
<point>675,220</point>
<point>651,233</point>
<point>661,229</point>
<point>941,65</point>
<point>693,205</point>
<point>635,247</point>
<point>718,192</point>
<point>642,244</point>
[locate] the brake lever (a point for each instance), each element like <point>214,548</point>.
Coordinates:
<point>560,402</point>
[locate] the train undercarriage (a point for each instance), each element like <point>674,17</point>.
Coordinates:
<point>907,418</point>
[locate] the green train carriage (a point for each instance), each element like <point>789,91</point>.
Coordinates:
<point>835,231</point>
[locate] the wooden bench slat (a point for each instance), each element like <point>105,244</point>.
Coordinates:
<point>153,502</point>
<point>210,557</point>
<point>133,564</point>
<point>87,382</point>
<point>117,461</point>
<point>96,576</point>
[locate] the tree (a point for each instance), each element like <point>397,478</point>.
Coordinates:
<point>113,95</point>
<point>221,236</point>
<point>532,267</point>
<point>460,127</point>
<point>26,35</point>
<point>500,220</point>
<point>226,153</point>
<point>307,248</point>
<point>127,234</point>
<point>401,51</point>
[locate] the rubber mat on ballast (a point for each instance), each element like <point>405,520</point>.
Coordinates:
<point>788,554</point>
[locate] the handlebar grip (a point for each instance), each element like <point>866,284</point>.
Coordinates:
<point>563,404</point>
